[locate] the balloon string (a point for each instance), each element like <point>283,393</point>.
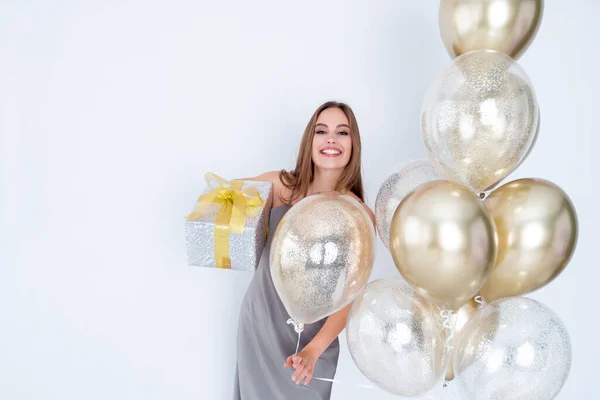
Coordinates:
<point>341,383</point>
<point>446,324</point>
<point>480,300</point>
<point>299,327</point>
<point>298,343</point>
<point>446,314</point>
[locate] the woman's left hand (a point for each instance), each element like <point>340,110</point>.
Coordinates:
<point>304,363</point>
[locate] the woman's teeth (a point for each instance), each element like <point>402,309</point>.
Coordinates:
<point>330,152</point>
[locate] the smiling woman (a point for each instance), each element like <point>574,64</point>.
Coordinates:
<point>328,160</point>
<point>331,148</point>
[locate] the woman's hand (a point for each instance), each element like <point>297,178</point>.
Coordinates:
<point>304,363</point>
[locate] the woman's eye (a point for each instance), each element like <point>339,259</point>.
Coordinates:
<point>344,133</point>
<point>321,132</point>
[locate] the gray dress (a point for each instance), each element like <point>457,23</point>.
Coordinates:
<point>265,341</point>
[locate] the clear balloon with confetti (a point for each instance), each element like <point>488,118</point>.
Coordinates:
<point>515,348</point>
<point>397,338</point>
<point>395,188</point>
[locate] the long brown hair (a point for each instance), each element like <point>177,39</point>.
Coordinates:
<point>298,180</point>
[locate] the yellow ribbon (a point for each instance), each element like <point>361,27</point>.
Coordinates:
<point>231,216</point>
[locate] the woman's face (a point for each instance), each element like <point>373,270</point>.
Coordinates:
<point>332,144</point>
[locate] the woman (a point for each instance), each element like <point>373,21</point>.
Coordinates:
<point>329,159</point>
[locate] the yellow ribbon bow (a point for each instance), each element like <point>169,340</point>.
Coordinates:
<point>231,216</point>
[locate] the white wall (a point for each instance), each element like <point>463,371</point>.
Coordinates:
<point>111,112</point>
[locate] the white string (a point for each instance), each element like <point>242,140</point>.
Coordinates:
<point>480,301</point>
<point>298,343</point>
<point>445,314</point>
<point>446,324</point>
<point>341,383</point>
<point>299,327</point>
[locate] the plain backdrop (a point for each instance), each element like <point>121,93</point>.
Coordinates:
<point>110,114</point>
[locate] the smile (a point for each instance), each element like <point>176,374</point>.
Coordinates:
<point>331,152</point>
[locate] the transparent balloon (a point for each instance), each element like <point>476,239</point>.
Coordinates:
<point>515,348</point>
<point>397,338</point>
<point>322,255</point>
<point>479,119</point>
<point>395,188</point>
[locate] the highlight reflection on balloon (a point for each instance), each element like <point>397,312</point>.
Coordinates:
<point>395,188</point>
<point>515,348</point>
<point>479,119</point>
<point>442,242</point>
<point>396,338</point>
<point>322,255</point>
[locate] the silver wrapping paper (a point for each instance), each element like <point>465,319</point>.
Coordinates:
<point>245,249</point>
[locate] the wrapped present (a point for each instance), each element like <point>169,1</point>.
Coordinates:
<point>228,226</point>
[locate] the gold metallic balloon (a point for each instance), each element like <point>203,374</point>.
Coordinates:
<point>479,119</point>
<point>508,26</point>
<point>459,320</point>
<point>322,255</point>
<point>442,242</point>
<point>536,226</point>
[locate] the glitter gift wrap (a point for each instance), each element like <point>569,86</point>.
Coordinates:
<point>228,226</point>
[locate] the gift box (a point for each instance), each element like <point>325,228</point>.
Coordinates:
<point>228,225</point>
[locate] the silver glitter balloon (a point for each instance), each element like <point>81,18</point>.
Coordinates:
<point>322,255</point>
<point>479,119</point>
<point>396,338</point>
<point>515,349</point>
<point>395,188</point>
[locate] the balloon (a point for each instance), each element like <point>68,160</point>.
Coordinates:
<point>508,26</point>
<point>322,255</point>
<point>479,119</point>
<point>396,338</point>
<point>442,242</point>
<point>515,349</point>
<point>395,188</point>
<point>536,226</point>
<point>459,320</point>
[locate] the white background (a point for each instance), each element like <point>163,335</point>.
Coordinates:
<point>112,111</point>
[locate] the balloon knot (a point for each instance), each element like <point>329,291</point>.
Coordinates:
<point>298,326</point>
<point>480,301</point>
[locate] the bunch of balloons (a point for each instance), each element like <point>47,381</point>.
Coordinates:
<point>467,249</point>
